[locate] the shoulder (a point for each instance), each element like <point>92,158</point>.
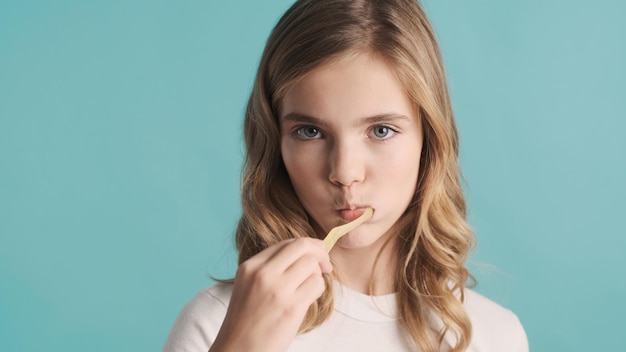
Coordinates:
<point>219,292</point>
<point>494,328</point>
<point>209,302</point>
<point>199,321</point>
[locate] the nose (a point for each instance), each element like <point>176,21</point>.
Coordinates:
<point>346,164</point>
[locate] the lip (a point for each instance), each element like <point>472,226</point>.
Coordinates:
<point>352,212</point>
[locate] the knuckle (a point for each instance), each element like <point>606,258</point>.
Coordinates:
<point>262,278</point>
<point>300,244</point>
<point>277,296</point>
<point>319,282</point>
<point>308,243</point>
<point>244,269</point>
<point>292,311</point>
<point>311,263</point>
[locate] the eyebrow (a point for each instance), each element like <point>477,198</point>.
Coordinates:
<point>379,118</point>
<point>297,117</point>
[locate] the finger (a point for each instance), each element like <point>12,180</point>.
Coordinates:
<point>291,252</point>
<point>311,289</point>
<point>298,272</point>
<point>263,256</point>
<point>298,302</point>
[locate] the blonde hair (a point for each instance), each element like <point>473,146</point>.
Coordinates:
<point>434,238</point>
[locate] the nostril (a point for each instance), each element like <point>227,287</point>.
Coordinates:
<point>345,163</point>
<point>346,174</point>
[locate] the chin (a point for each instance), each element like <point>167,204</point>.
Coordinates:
<point>360,238</point>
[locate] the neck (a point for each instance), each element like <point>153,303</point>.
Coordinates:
<point>359,269</point>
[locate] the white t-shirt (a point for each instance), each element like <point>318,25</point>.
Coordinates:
<point>358,323</point>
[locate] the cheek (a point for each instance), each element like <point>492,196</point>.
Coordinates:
<point>400,167</point>
<point>303,167</point>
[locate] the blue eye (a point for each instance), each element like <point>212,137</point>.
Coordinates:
<point>308,132</point>
<point>382,132</point>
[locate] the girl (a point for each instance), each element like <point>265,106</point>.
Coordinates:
<point>349,111</point>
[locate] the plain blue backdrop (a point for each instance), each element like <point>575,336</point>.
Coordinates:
<point>120,154</point>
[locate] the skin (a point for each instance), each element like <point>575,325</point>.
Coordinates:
<point>352,139</point>
<point>349,139</point>
<point>271,295</point>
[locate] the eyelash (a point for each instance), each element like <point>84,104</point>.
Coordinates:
<point>393,132</point>
<point>299,130</point>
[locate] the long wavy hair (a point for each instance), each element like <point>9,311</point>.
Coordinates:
<point>434,239</point>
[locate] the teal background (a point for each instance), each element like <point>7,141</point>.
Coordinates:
<point>120,153</point>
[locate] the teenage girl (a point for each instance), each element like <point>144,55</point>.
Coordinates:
<point>350,111</point>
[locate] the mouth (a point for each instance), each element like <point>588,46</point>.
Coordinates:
<point>351,213</point>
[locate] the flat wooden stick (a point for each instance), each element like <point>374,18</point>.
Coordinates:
<point>337,232</point>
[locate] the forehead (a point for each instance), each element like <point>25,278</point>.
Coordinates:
<point>353,86</point>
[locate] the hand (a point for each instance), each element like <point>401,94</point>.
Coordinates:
<point>272,292</point>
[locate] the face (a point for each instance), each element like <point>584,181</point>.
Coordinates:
<point>350,139</point>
